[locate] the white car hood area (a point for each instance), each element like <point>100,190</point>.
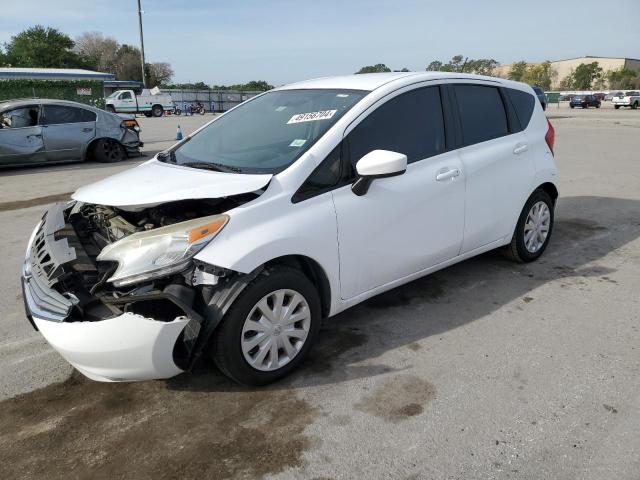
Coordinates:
<point>155,182</point>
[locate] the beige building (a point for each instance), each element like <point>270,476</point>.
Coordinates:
<point>564,67</point>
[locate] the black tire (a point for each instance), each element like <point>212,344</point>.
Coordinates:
<point>177,111</point>
<point>157,110</point>
<point>147,114</point>
<point>107,150</point>
<point>571,106</point>
<point>110,109</point>
<point>616,107</point>
<point>226,349</point>
<point>597,105</point>
<point>517,250</point>
<point>635,105</point>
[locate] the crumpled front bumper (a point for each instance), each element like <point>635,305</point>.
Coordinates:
<point>124,348</point>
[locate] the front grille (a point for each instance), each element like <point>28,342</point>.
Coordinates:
<point>43,267</point>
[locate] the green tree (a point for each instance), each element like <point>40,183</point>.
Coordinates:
<point>435,66</point>
<point>158,73</point>
<point>623,79</point>
<point>458,63</point>
<point>377,68</point>
<point>98,51</point>
<point>585,75</point>
<point>42,47</point>
<point>254,85</point>
<point>542,74</point>
<point>518,70</point>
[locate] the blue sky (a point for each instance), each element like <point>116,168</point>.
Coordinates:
<point>287,40</point>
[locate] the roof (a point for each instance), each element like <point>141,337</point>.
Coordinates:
<point>371,81</point>
<point>43,101</point>
<point>59,73</point>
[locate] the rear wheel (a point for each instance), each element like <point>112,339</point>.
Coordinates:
<point>156,110</point>
<point>107,150</point>
<point>616,107</point>
<point>269,329</point>
<point>635,105</point>
<point>533,230</point>
<point>147,114</point>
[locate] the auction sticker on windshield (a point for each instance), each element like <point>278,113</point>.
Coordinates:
<point>312,116</point>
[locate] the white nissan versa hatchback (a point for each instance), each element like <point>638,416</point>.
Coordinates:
<point>293,206</point>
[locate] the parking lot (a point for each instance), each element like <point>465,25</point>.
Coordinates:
<point>487,369</point>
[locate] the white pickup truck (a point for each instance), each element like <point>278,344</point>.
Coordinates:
<point>629,99</point>
<point>150,102</point>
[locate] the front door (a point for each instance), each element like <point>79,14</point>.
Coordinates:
<point>410,222</point>
<point>67,131</point>
<point>21,136</point>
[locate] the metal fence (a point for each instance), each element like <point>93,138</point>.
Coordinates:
<point>213,100</point>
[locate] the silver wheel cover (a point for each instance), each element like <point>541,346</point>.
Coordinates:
<point>275,330</point>
<point>536,227</point>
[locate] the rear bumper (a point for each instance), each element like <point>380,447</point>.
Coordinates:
<point>124,348</point>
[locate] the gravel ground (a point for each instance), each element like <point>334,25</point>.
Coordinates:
<point>487,369</point>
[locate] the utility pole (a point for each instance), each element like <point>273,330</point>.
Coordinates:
<point>144,81</point>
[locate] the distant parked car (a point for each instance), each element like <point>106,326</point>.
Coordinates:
<point>600,96</point>
<point>53,131</point>
<point>629,99</point>
<point>609,96</point>
<point>584,101</point>
<point>541,96</point>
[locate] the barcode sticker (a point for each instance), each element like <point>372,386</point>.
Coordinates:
<point>312,116</point>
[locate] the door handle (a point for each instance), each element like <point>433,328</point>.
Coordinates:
<point>87,129</point>
<point>521,148</point>
<point>35,135</point>
<point>446,175</point>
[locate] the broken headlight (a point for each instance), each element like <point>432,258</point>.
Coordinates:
<point>155,253</point>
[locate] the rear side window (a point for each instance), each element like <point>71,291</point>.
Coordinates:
<point>523,104</point>
<point>410,123</point>
<point>59,114</point>
<point>482,113</point>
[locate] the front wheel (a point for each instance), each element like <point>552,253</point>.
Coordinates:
<point>156,110</point>
<point>616,107</point>
<point>269,329</point>
<point>533,230</point>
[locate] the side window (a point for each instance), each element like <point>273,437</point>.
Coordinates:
<point>482,113</point>
<point>523,103</point>
<point>411,123</point>
<point>125,95</point>
<point>325,177</point>
<point>59,114</point>
<point>19,118</point>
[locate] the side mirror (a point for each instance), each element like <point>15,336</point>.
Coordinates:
<point>377,164</point>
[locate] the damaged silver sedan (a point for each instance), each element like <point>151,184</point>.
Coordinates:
<point>40,131</point>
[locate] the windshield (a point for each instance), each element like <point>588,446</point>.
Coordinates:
<point>266,134</point>
<point>114,94</point>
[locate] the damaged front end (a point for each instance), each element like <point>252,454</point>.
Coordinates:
<point>118,293</point>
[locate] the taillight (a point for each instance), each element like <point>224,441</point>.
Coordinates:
<point>132,124</point>
<point>550,137</point>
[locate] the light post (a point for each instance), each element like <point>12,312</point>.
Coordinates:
<point>144,82</point>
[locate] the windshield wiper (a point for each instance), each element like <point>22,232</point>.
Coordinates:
<point>218,167</point>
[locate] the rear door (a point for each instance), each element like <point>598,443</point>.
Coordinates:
<point>67,131</point>
<point>21,136</point>
<point>497,160</point>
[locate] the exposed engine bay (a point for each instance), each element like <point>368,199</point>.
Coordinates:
<point>88,229</point>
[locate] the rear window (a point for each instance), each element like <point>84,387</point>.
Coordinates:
<point>482,113</point>
<point>523,104</point>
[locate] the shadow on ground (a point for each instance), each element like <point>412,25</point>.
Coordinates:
<point>201,425</point>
